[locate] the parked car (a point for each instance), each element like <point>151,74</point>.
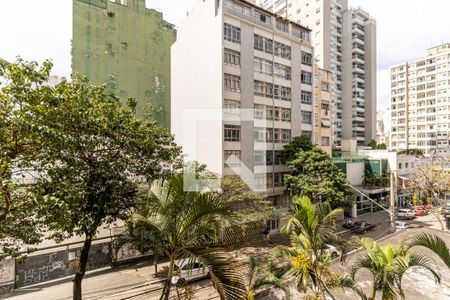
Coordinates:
<point>428,206</point>
<point>348,223</point>
<point>420,211</point>
<point>406,213</point>
<point>331,250</point>
<point>362,227</point>
<point>186,270</point>
<point>401,225</point>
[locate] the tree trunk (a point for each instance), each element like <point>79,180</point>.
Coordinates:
<point>168,284</point>
<point>155,263</point>
<point>77,295</point>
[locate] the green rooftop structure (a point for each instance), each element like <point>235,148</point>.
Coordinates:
<point>126,46</point>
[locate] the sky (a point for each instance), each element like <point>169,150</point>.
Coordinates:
<point>42,29</point>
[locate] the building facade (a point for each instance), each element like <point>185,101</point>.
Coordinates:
<point>126,46</point>
<point>323,109</point>
<point>246,78</point>
<point>420,102</point>
<point>344,41</point>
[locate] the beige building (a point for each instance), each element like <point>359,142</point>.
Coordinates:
<point>323,109</point>
<point>344,41</point>
<point>244,78</point>
<point>420,102</point>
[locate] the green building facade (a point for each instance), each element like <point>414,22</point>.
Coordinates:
<point>126,46</point>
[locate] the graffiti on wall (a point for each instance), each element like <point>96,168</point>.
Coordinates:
<point>41,268</point>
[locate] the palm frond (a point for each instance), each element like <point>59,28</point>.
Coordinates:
<point>432,242</point>
<point>273,281</point>
<point>228,282</point>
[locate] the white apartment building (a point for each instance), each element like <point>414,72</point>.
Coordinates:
<point>420,102</point>
<point>246,76</point>
<point>344,41</point>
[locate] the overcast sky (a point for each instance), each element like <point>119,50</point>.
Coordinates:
<point>42,29</point>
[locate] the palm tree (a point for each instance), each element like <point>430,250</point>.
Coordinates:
<point>259,278</point>
<point>189,224</point>
<point>305,261</point>
<point>388,263</point>
<point>142,238</point>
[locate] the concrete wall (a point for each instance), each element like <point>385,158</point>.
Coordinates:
<point>197,84</point>
<point>126,47</point>
<point>355,173</point>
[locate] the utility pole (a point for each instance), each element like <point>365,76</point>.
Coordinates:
<point>392,199</point>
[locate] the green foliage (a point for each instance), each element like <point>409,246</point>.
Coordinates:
<point>371,180</point>
<point>375,146</point>
<point>21,94</point>
<point>248,205</point>
<point>388,263</point>
<point>94,147</point>
<point>298,144</point>
<point>314,174</point>
<point>189,221</point>
<point>258,278</point>
<point>411,152</point>
<point>304,260</point>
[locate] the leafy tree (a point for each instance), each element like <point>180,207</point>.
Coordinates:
<point>248,205</point>
<point>431,179</point>
<point>411,152</point>
<point>95,155</point>
<point>389,263</point>
<point>375,146</point>
<point>21,92</point>
<point>314,174</point>
<point>310,228</point>
<point>190,222</point>
<point>259,278</point>
<point>298,144</point>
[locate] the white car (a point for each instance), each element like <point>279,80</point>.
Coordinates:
<point>189,270</point>
<point>332,251</point>
<point>401,225</point>
<point>406,213</point>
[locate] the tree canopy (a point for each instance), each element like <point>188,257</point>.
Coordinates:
<point>314,174</point>
<point>22,91</point>
<point>298,144</point>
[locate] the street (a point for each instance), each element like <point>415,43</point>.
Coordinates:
<point>137,281</point>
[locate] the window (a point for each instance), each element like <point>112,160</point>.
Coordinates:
<point>259,111</point>
<point>263,89</point>
<point>306,117</point>
<point>263,17</point>
<point>232,83</point>
<point>232,57</point>
<point>400,165</point>
<point>325,141</point>
<point>263,66</point>
<point>282,92</point>
<point>306,58</point>
<point>282,26</point>
<point>282,50</point>
<point>324,86</point>
<point>232,33</point>
<point>282,71</point>
<point>232,106</point>
<point>232,133</point>
<point>232,158</point>
<point>306,77</point>
<point>306,97</point>
<point>263,44</point>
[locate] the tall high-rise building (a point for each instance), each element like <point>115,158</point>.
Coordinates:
<point>420,102</point>
<point>242,87</point>
<point>344,41</point>
<point>126,46</point>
